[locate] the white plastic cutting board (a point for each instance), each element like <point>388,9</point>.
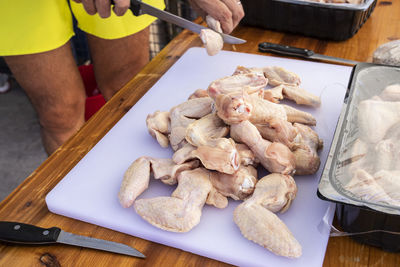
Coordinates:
<point>89,191</point>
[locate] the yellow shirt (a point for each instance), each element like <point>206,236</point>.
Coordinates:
<point>34,26</point>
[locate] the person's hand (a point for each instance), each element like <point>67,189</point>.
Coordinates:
<point>227,12</point>
<point>103,7</point>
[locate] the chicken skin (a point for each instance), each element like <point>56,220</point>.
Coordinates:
<point>234,107</point>
<point>211,39</point>
<point>158,125</point>
<point>275,157</point>
<point>278,130</point>
<point>278,75</point>
<point>206,129</point>
<point>275,192</point>
<point>238,185</point>
<point>300,96</point>
<point>258,223</point>
<point>184,114</point>
<point>137,176</point>
<point>306,153</point>
<point>237,107</point>
<point>220,155</point>
<point>375,118</point>
<point>182,211</point>
<point>263,227</point>
<point>365,187</point>
<point>250,83</point>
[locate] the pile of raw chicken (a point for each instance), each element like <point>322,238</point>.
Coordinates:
<point>219,136</point>
<point>374,161</point>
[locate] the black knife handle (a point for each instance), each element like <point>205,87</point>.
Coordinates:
<point>135,7</point>
<point>285,50</point>
<point>15,232</point>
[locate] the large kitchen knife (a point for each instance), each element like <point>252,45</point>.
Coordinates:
<point>301,52</point>
<point>139,8</point>
<point>21,233</point>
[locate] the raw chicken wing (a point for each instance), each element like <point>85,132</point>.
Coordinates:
<point>300,96</point>
<point>263,227</point>
<point>238,185</point>
<point>258,223</point>
<point>391,93</point>
<point>158,125</point>
<point>275,192</point>
<point>278,130</point>
<point>275,157</point>
<point>295,115</point>
<point>375,118</point>
<point>247,156</point>
<point>184,114</point>
<point>137,176</point>
<point>182,211</point>
<point>136,180</point>
<point>205,129</point>
<point>274,94</point>
<point>220,155</point>
<point>234,107</point>
<point>365,187</point>
<point>264,111</point>
<point>183,154</point>
<point>297,94</point>
<point>216,199</point>
<point>211,38</point>
<point>390,183</point>
<point>244,70</point>
<point>278,75</point>
<point>250,83</point>
<point>307,159</point>
<point>199,93</point>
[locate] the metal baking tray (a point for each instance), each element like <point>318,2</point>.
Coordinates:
<point>365,211</point>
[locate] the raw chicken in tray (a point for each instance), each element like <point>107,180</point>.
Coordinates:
<point>364,168</point>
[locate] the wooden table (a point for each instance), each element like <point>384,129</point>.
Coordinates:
<point>27,202</point>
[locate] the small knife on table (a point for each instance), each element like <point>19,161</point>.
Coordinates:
<point>139,8</point>
<point>21,233</point>
<point>301,52</point>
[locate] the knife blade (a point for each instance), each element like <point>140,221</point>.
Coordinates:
<point>139,8</point>
<point>21,233</point>
<point>301,52</point>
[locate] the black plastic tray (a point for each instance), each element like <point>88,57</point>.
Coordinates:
<point>356,219</point>
<point>326,21</point>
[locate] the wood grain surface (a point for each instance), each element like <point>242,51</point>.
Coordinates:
<point>27,202</point>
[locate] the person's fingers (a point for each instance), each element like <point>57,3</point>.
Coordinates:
<point>222,13</point>
<point>197,8</point>
<point>219,11</point>
<point>235,6</point>
<point>121,6</point>
<point>103,8</point>
<point>89,6</point>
